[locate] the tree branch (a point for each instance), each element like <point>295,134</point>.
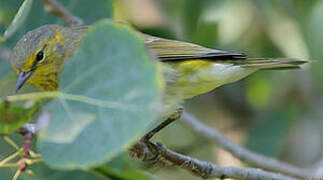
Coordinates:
<point>201,168</point>
<point>52,6</point>
<point>243,154</point>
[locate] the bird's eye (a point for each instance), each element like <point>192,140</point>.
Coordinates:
<point>40,56</point>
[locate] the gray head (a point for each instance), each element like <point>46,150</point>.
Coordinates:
<point>41,53</point>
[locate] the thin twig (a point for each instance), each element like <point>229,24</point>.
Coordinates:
<point>9,158</point>
<point>34,161</point>
<point>243,154</point>
<point>34,155</point>
<point>10,165</point>
<point>202,168</point>
<point>17,174</point>
<point>13,144</point>
<point>52,6</point>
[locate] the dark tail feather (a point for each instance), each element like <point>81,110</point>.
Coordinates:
<point>271,64</point>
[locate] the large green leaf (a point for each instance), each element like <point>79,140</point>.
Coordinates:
<point>110,98</point>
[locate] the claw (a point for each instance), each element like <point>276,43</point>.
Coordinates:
<point>154,152</point>
<point>146,151</point>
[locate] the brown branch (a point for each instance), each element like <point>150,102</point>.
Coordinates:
<point>201,168</point>
<point>52,6</point>
<point>243,154</point>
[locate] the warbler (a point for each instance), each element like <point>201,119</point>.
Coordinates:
<point>189,69</point>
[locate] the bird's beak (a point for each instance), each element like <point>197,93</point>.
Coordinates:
<point>22,78</point>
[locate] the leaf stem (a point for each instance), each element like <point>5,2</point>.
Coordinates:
<point>10,165</point>
<point>34,155</point>
<point>34,161</point>
<point>17,174</point>
<point>9,158</point>
<point>13,144</point>
<point>58,94</point>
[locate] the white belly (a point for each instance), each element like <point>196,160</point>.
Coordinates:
<point>220,74</point>
<point>182,85</point>
<point>203,81</point>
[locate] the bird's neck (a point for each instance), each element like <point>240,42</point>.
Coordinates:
<point>73,37</point>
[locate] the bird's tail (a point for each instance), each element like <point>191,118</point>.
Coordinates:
<point>268,63</point>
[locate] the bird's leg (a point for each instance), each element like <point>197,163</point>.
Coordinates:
<point>147,150</point>
<point>173,117</point>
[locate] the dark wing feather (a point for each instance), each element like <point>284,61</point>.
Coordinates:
<point>172,50</point>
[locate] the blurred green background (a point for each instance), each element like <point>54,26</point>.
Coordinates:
<point>278,114</point>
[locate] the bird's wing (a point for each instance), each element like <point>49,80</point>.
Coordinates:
<point>172,50</point>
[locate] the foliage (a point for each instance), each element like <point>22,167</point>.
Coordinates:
<point>273,113</point>
<point>109,111</point>
<point>97,113</point>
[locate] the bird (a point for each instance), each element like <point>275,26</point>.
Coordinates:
<point>188,69</point>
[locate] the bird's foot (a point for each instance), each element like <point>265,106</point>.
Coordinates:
<point>146,151</point>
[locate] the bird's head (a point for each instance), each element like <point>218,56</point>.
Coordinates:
<point>40,54</point>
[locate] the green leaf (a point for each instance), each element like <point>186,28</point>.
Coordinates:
<point>18,20</point>
<point>42,172</point>
<point>126,174</point>
<point>135,174</point>
<point>110,96</point>
<point>12,117</point>
<point>108,172</point>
